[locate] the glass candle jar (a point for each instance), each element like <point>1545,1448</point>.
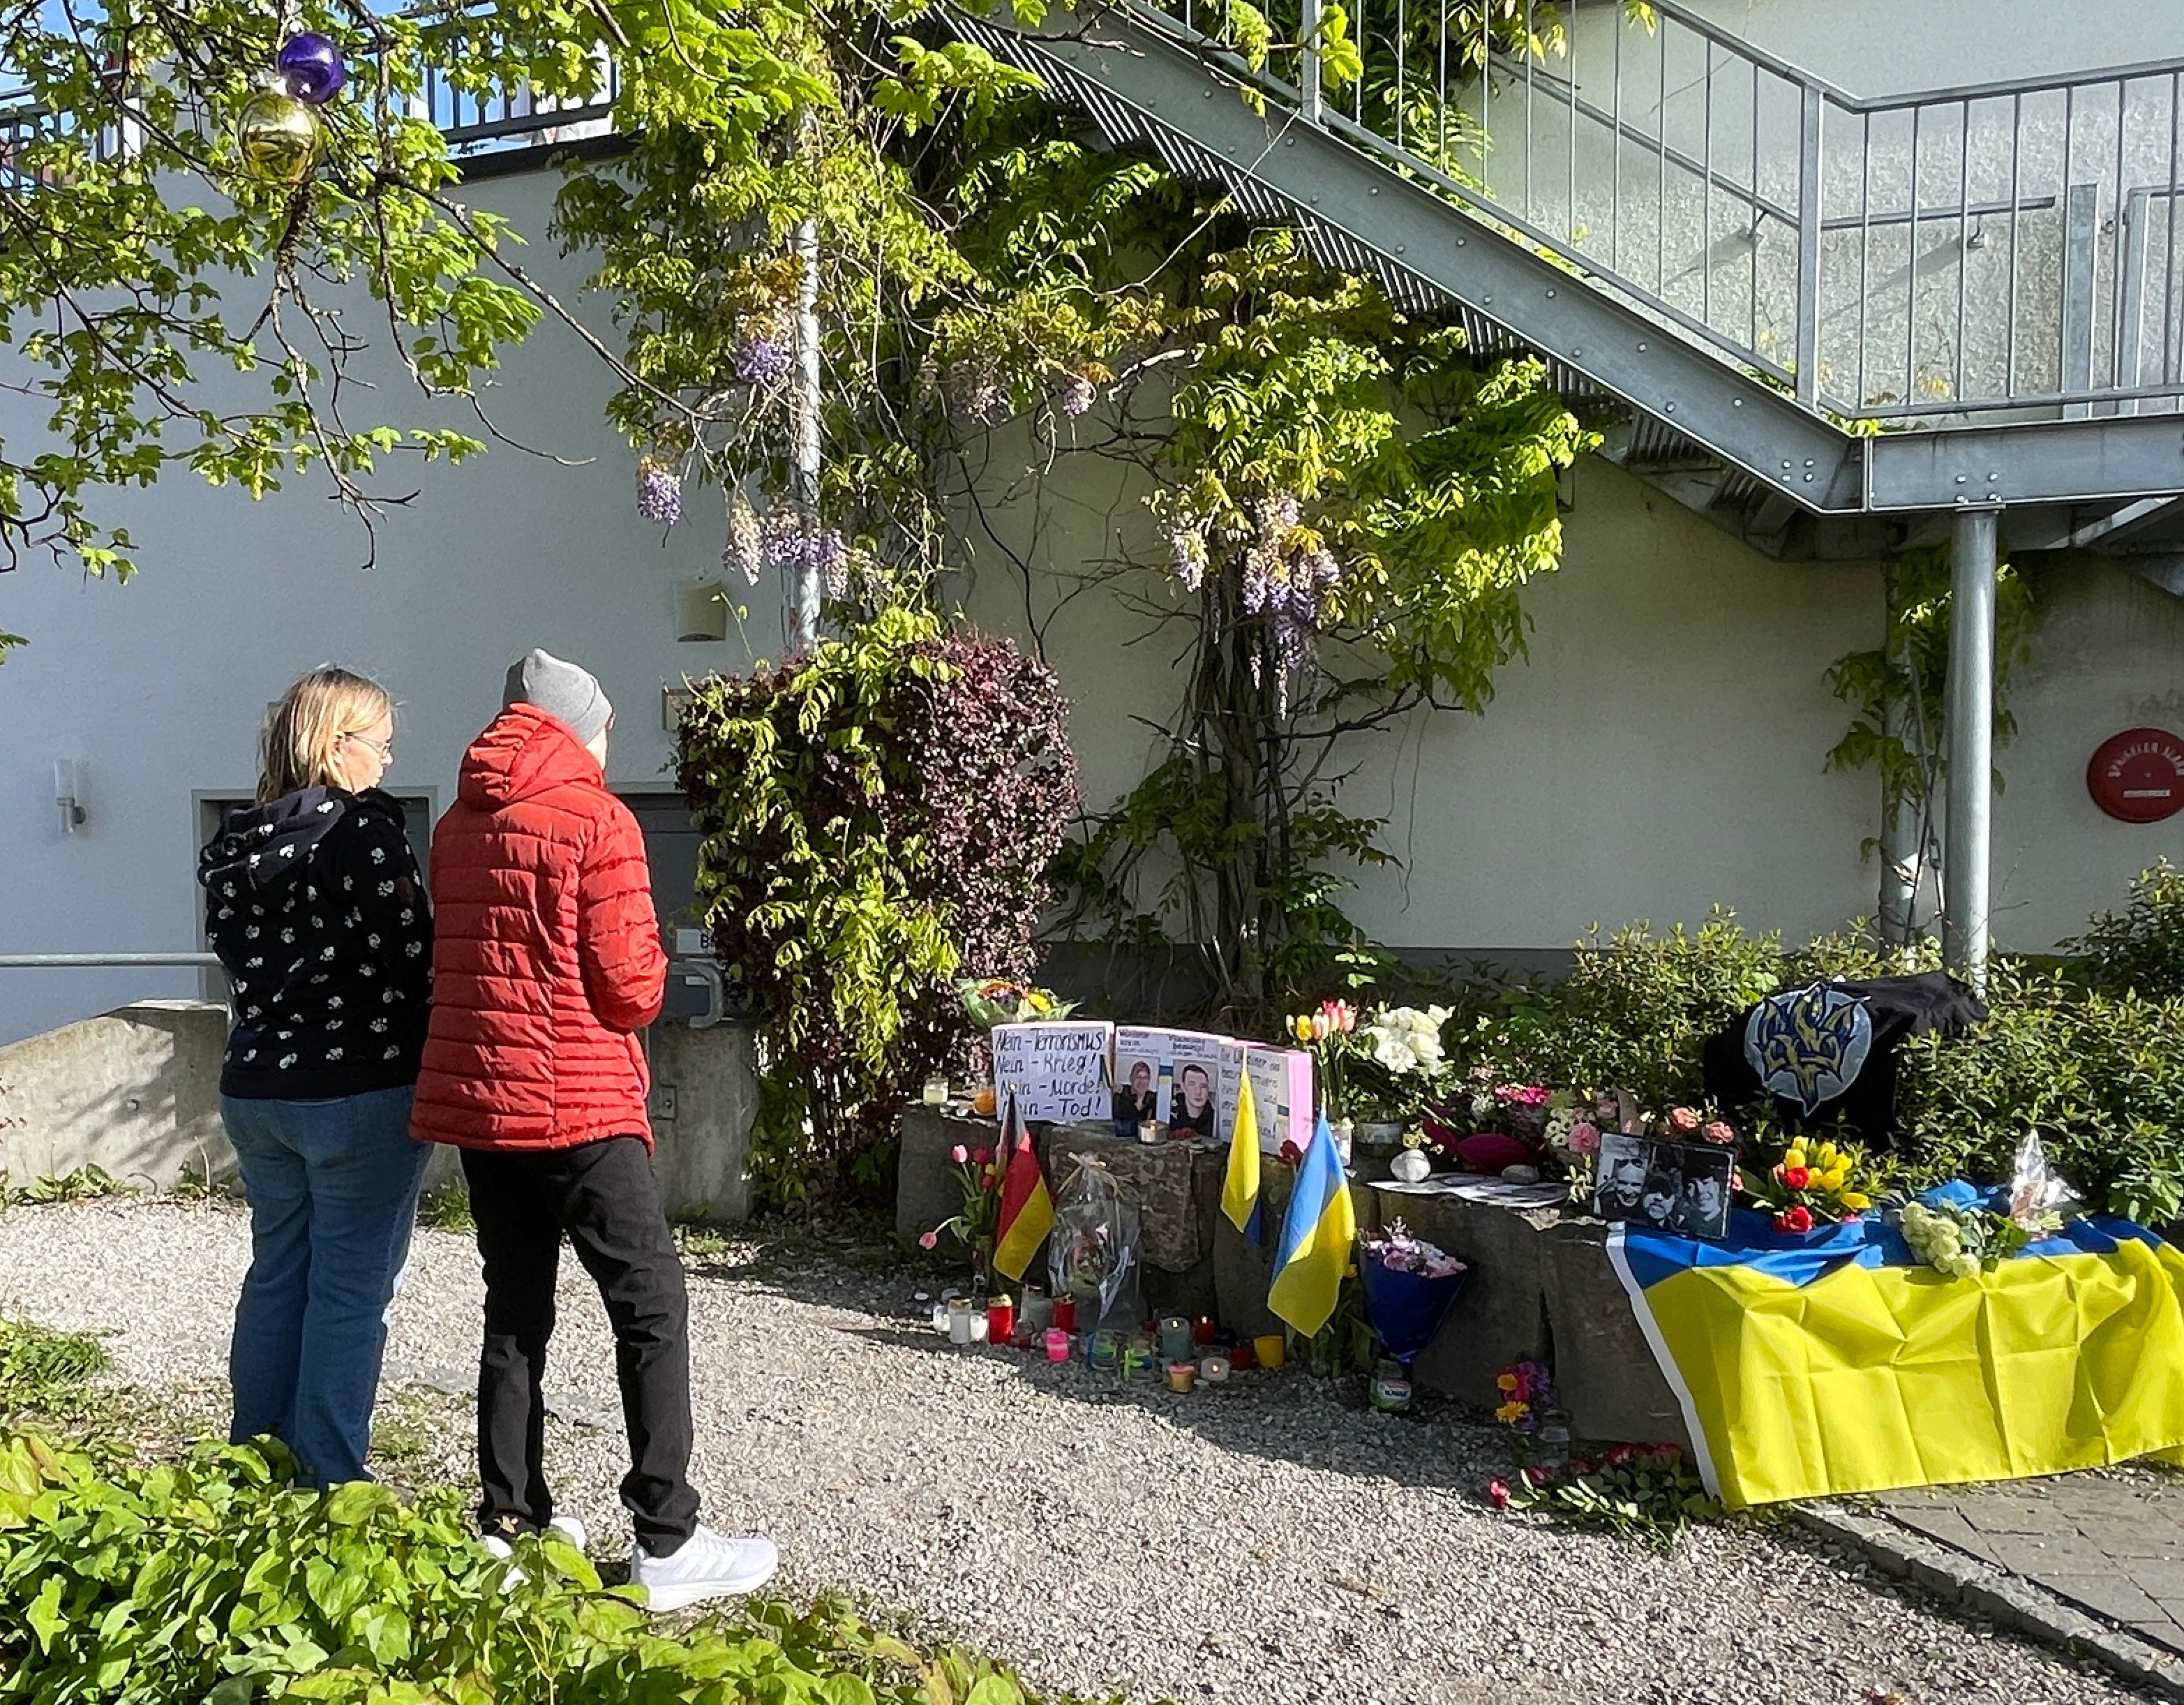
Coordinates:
<point>959,1320</point>
<point>936,1092</point>
<point>1182,1375</point>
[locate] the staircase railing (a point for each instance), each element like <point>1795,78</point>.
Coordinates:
<point>2008,249</point>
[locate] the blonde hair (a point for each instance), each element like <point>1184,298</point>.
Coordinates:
<point>296,749</point>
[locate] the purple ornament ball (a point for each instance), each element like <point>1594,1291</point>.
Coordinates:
<point>313,67</point>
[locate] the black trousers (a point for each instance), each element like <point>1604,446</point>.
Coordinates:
<point>605,1196</point>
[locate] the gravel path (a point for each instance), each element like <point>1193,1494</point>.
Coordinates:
<point>1262,1544</point>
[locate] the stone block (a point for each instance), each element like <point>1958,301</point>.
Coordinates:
<point>1244,1270</point>
<point>927,1190</point>
<point>1501,1316</point>
<point>135,1092</point>
<point>702,1155</point>
<point>1609,1381</point>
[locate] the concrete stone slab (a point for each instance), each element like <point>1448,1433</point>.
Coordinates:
<point>1610,1383</point>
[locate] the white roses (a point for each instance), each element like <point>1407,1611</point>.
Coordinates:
<point>1407,1041</point>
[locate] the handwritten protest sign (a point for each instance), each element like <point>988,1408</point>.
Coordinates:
<point>1058,1067</point>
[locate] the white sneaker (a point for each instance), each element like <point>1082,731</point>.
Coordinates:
<point>568,1527</point>
<point>709,1565</point>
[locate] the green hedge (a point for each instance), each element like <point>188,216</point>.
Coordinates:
<point>2089,1054</point>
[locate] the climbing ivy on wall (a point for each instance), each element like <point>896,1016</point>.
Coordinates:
<point>1897,691</point>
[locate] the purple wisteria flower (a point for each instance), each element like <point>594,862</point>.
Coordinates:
<point>659,492</point>
<point>746,547</point>
<point>764,354</point>
<point>1077,395</point>
<point>794,544</point>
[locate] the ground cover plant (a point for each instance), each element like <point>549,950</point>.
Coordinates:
<point>210,1579</point>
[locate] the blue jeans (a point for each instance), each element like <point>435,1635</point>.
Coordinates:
<point>332,1188</point>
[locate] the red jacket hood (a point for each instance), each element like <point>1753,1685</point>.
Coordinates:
<point>522,752</point>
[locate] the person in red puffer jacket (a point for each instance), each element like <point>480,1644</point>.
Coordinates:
<point>546,963</point>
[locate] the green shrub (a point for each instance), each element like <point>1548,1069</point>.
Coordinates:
<point>2099,1076</point>
<point>2141,949</point>
<point>878,818</point>
<point>1634,1013</point>
<point>210,1580</point>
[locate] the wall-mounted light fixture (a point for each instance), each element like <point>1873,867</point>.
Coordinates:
<point>701,611</point>
<point>68,793</point>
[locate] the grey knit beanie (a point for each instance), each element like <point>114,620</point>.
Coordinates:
<point>560,689</point>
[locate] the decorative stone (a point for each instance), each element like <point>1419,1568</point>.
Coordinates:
<point>1520,1175</point>
<point>1410,1167</point>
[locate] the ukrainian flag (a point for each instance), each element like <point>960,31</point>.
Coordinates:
<point>1839,1363</point>
<point>1317,1233</point>
<point>1239,1186</point>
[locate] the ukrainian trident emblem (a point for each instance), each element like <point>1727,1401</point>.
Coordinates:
<point>1807,1046</point>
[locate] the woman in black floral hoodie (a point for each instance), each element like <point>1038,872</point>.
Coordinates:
<point>314,906</point>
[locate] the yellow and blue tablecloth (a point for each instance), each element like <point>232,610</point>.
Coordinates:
<point>1837,1362</point>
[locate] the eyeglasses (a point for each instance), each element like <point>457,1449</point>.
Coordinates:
<point>384,748</point>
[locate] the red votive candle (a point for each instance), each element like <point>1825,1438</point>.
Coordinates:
<point>1241,1359</point>
<point>1065,1314</point>
<point>1203,1332</point>
<point>1000,1319</point>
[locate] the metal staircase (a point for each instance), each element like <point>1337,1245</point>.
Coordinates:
<point>1836,326</point>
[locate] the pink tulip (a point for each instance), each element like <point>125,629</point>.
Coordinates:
<point>1718,1131</point>
<point>930,1240</point>
<point>959,1155</point>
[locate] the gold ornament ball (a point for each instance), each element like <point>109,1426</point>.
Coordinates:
<point>279,136</point>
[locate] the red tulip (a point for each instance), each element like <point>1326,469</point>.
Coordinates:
<point>1798,1218</point>
<point>1796,1177</point>
<point>1499,1493</point>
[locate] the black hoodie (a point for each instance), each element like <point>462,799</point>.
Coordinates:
<point>314,906</point>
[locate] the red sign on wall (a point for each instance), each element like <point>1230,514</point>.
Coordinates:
<point>2137,775</point>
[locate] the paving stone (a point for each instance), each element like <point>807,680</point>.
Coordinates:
<point>2113,1596</point>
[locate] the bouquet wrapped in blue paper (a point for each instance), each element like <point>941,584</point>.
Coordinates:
<point>1410,1286</point>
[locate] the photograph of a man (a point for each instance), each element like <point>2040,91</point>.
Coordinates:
<point>1704,1210</point>
<point>1625,1164</point>
<point>1193,1113</point>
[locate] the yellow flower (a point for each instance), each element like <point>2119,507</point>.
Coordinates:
<point>1856,1201</point>
<point>1827,1156</point>
<point>1796,1158</point>
<point>1835,1178</point>
<point>1300,1027</point>
<point>1512,1411</point>
<point>1507,1382</point>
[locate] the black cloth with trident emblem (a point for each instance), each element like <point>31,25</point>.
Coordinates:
<point>1825,1053</point>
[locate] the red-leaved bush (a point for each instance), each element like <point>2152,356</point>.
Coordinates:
<point>877,821</point>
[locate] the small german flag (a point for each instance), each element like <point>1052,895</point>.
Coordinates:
<point>1027,1207</point>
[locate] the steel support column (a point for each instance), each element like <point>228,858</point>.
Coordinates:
<point>1968,735</point>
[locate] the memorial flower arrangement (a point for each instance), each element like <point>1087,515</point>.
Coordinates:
<point>1959,1241</point>
<point>1813,1186</point>
<point>1648,1491</point>
<point>979,1172</point>
<point>1330,1034</point>
<point>1528,1392</point>
<point>992,1000</point>
<point>1401,1252</point>
<point>1959,1238</point>
<point>1400,1062</point>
